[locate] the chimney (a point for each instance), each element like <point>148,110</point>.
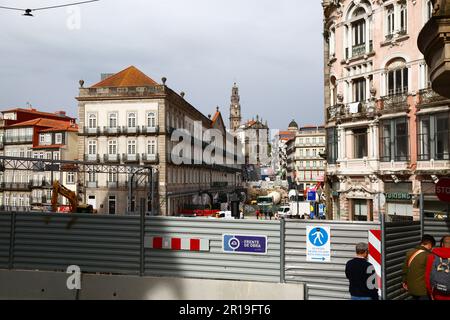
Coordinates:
<point>60,113</point>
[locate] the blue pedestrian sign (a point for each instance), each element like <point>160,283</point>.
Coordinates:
<point>311,196</point>
<point>245,244</point>
<point>318,247</point>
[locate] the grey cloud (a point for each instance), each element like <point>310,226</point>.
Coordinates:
<point>272,49</point>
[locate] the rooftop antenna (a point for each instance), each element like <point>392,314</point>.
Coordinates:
<point>28,11</point>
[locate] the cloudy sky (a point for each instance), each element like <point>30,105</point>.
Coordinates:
<point>272,49</point>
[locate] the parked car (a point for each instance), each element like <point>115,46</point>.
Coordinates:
<point>284,212</point>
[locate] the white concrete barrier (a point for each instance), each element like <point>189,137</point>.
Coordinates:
<point>52,285</point>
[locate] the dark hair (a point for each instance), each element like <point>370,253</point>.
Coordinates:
<point>428,239</point>
<point>443,240</point>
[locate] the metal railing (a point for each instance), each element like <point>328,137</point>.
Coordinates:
<point>150,158</point>
<point>150,130</point>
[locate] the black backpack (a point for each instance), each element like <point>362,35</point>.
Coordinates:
<point>440,275</point>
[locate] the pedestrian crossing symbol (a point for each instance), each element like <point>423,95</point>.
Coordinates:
<point>318,244</point>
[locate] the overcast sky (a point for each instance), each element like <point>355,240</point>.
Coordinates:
<point>272,49</point>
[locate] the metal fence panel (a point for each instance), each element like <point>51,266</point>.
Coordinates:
<point>436,228</point>
<point>5,236</point>
<point>52,242</point>
<point>324,281</point>
<point>214,264</point>
<point>400,237</point>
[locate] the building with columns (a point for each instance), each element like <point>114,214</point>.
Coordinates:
<point>387,131</point>
<point>129,118</point>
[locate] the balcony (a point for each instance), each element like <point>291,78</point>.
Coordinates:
<point>113,185</point>
<point>92,157</point>
<point>146,91</point>
<point>44,183</point>
<point>112,158</point>
<point>111,131</point>
<point>358,50</point>
<point>150,158</point>
<point>428,97</point>
<point>92,184</point>
<point>130,130</point>
<point>15,186</point>
<point>358,166</point>
<point>130,158</point>
<point>355,110</point>
<point>150,130</point>
<point>91,131</point>
<point>18,139</point>
<point>335,112</point>
<point>395,102</point>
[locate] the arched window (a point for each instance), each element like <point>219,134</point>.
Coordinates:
<point>332,42</point>
<point>92,121</point>
<point>397,77</point>
<point>359,32</point>
<point>132,120</point>
<point>151,120</point>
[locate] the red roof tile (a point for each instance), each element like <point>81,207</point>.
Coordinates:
<point>34,111</point>
<point>130,77</point>
<point>51,125</point>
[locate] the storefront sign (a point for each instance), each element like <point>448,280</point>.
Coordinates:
<point>443,190</point>
<point>398,196</point>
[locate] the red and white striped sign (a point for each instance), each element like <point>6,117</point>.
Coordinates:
<point>375,253</point>
<point>184,244</point>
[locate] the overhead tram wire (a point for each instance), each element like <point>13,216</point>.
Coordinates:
<point>28,12</point>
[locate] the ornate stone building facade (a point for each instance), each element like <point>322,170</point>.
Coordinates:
<point>387,131</point>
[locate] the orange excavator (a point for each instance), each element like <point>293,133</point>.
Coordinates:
<point>59,189</point>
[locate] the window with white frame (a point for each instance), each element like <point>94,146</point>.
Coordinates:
<point>112,147</point>
<point>359,90</point>
<point>112,177</point>
<point>70,178</point>
<point>390,21</point>
<point>112,120</point>
<point>132,120</point>
<point>397,77</point>
<point>56,155</point>
<point>92,120</point>
<point>151,147</point>
<point>42,139</point>
<point>92,177</point>
<point>131,148</point>
<point>151,119</point>
<point>92,147</point>
<point>403,19</point>
<point>58,138</point>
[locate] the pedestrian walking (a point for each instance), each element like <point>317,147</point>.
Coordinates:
<point>414,268</point>
<point>360,273</point>
<point>258,214</point>
<point>437,274</point>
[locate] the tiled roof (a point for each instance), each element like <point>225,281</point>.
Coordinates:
<point>34,111</point>
<point>51,125</point>
<point>130,77</point>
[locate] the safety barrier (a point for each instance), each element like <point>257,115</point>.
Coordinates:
<point>194,248</point>
<point>324,280</point>
<point>436,228</point>
<point>400,237</point>
<point>214,263</point>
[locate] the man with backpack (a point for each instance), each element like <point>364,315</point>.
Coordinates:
<point>414,268</point>
<point>438,271</point>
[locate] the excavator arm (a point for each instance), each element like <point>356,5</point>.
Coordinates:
<point>59,189</point>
